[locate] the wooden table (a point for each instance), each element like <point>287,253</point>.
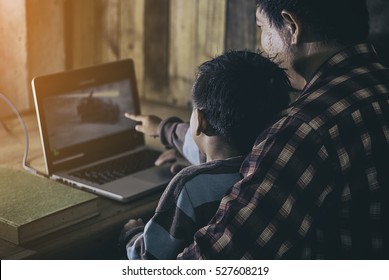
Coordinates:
<point>95,238</point>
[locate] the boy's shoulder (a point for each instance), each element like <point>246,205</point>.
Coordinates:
<point>205,175</point>
<point>216,167</point>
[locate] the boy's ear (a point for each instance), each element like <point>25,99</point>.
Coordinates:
<point>203,125</point>
<point>294,26</point>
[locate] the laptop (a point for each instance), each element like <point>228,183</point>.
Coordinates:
<point>87,142</point>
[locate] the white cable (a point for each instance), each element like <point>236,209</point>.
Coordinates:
<point>24,162</point>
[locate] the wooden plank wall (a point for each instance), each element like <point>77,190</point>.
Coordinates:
<point>167,39</point>
<point>45,43</point>
<point>241,30</point>
<point>32,43</point>
<point>101,31</point>
<point>196,34</point>
<point>156,49</point>
<point>13,54</point>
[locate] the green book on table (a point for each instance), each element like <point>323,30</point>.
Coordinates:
<point>32,206</point>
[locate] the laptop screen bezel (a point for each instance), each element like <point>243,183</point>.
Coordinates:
<point>68,81</point>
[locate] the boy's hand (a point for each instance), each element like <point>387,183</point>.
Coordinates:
<point>126,236</point>
<point>172,155</point>
<point>149,124</point>
<point>133,224</point>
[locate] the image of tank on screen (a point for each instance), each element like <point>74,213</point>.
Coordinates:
<point>80,116</point>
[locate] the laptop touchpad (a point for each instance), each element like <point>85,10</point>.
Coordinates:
<point>158,174</point>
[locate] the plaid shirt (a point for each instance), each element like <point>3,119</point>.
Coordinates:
<point>316,184</point>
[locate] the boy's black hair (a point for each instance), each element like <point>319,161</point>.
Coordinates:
<point>240,92</point>
<point>340,21</point>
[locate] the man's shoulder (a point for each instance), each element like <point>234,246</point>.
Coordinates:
<point>330,103</point>
<point>342,85</point>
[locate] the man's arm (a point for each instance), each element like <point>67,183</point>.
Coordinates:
<point>286,178</point>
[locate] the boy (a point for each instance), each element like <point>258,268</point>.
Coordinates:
<point>235,96</point>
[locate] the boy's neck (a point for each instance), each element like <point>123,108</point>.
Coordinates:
<point>216,148</point>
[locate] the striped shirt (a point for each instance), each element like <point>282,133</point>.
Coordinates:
<point>188,203</point>
<point>316,184</point>
<point>174,133</point>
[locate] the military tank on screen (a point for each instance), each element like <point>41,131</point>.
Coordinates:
<point>97,110</point>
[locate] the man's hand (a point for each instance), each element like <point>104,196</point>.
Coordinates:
<point>148,124</point>
<point>173,155</point>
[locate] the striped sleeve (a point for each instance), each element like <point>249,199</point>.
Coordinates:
<point>188,203</point>
<point>174,133</point>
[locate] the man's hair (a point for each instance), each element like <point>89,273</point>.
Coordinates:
<point>240,92</point>
<point>340,21</point>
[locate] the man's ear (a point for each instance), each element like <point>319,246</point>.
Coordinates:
<point>293,25</point>
<point>202,124</point>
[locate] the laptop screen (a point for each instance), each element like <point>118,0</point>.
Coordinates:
<point>81,114</point>
<point>88,114</point>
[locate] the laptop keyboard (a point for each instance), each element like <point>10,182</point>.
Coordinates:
<point>118,168</point>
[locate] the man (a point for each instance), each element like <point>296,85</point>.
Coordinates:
<point>316,184</point>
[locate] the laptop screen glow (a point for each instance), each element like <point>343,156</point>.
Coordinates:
<point>88,114</point>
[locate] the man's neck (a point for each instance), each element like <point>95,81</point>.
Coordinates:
<point>311,56</point>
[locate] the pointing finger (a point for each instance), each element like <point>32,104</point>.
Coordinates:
<point>138,118</point>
